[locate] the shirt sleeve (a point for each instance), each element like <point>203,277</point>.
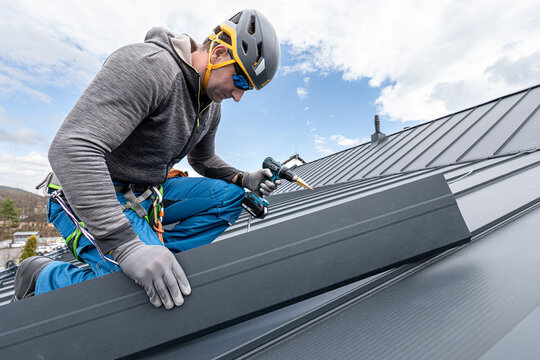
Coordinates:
<point>130,86</point>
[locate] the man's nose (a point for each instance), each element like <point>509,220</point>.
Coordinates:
<point>237,94</point>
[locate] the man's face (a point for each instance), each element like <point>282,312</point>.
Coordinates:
<point>221,84</point>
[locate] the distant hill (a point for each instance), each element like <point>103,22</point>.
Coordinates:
<point>33,213</point>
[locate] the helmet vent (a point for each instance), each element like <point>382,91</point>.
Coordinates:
<point>245,47</point>
<point>236,18</point>
<point>259,48</point>
<point>251,29</point>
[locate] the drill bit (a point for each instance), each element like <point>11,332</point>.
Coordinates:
<point>302,183</point>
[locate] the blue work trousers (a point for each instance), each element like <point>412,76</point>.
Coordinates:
<point>197,210</point>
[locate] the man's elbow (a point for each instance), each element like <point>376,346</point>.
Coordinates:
<point>196,165</point>
<point>56,153</point>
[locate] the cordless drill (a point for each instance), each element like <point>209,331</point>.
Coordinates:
<point>257,206</point>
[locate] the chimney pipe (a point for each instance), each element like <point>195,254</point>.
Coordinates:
<point>377,125</point>
<point>378,136</point>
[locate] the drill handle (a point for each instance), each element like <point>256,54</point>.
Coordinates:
<point>274,166</point>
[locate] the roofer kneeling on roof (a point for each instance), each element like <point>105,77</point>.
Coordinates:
<point>150,105</point>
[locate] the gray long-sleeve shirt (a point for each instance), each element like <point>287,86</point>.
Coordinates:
<point>142,113</point>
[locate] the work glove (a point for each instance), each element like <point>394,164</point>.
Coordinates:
<point>252,181</point>
<point>156,269</point>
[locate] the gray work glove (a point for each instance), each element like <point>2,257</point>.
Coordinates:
<point>156,269</point>
<point>252,180</point>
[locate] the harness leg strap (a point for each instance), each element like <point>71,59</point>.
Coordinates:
<point>135,203</point>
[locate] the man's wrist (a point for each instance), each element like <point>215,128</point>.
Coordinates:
<point>238,179</point>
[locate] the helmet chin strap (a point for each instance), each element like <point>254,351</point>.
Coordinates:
<point>211,66</point>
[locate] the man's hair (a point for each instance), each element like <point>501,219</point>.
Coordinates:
<point>207,42</point>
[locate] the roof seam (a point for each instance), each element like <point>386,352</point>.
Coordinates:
<point>493,126</point>
<point>517,130</point>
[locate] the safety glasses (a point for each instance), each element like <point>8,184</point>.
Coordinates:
<point>240,79</point>
<point>241,82</point>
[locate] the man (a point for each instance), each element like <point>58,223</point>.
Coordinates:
<point>149,106</point>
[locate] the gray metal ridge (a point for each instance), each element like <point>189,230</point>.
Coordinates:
<point>241,278</point>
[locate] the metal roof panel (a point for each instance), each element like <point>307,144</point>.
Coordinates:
<point>459,306</point>
<point>496,136</point>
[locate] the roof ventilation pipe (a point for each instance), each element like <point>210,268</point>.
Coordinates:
<point>378,136</point>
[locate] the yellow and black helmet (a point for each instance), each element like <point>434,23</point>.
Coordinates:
<point>254,46</point>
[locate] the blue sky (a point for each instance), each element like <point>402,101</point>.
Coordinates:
<point>342,63</point>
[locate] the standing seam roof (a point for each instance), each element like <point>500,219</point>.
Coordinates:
<point>505,125</point>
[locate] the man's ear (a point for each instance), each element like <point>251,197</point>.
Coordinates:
<point>218,53</point>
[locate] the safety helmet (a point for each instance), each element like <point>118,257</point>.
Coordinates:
<point>254,47</point>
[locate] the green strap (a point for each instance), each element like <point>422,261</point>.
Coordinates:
<point>76,235</point>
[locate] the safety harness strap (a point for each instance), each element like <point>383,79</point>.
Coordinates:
<point>72,242</point>
<point>134,202</point>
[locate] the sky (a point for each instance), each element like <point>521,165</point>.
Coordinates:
<point>342,62</point>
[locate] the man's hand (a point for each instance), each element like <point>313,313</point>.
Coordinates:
<point>156,269</point>
<point>252,180</point>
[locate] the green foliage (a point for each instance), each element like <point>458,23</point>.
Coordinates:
<point>8,211</point>
<point>29,248</point>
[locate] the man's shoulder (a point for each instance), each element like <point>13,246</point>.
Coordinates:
<point>158,59</point>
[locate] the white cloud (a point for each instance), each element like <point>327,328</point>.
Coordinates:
<point>302,93</point>
<point>24,171</point>
<point>415,49</point>
<point>306,108</point>
<point>319,139</point>
<point>4,119</point>
<point>21,136</point>
<point>431,58</point>
<point>343,141</point>
<point>12,132</point>
<point>324,150</point>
